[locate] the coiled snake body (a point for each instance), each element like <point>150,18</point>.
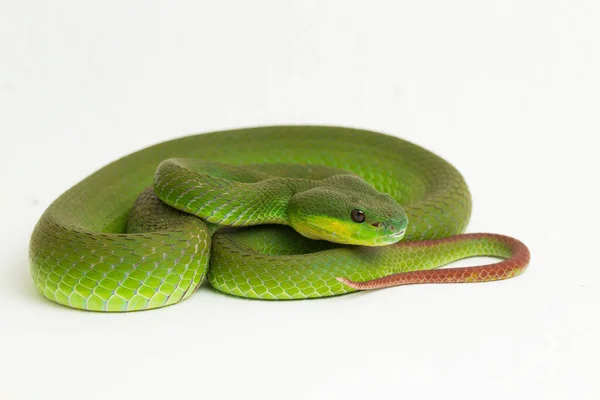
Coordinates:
<point>282,212</point>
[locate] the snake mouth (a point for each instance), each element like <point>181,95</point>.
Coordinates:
<point>391,238</point>
<point>395,237</point>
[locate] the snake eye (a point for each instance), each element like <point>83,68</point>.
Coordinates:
<point>357,216</point>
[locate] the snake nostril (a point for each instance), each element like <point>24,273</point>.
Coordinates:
<point>376,224</point>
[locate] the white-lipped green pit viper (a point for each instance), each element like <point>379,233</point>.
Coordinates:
<point>280,212</point>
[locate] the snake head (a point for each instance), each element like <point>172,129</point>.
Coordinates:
<point>346,209</point>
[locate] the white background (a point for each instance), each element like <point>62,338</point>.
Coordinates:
<point>508,91</point>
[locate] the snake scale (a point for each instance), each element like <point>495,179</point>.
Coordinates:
<point>278,212</point>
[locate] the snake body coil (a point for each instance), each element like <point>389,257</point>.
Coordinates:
<point>112,244</point>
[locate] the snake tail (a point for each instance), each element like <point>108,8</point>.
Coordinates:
<point>516,258</point>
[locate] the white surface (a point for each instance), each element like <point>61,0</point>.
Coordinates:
<point>509,91</point>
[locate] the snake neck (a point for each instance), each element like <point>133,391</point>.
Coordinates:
<point>227,196</point>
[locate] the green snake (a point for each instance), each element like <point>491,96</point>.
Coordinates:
<point>279,212</point>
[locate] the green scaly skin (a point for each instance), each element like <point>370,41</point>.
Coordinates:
<point>92,249</point>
